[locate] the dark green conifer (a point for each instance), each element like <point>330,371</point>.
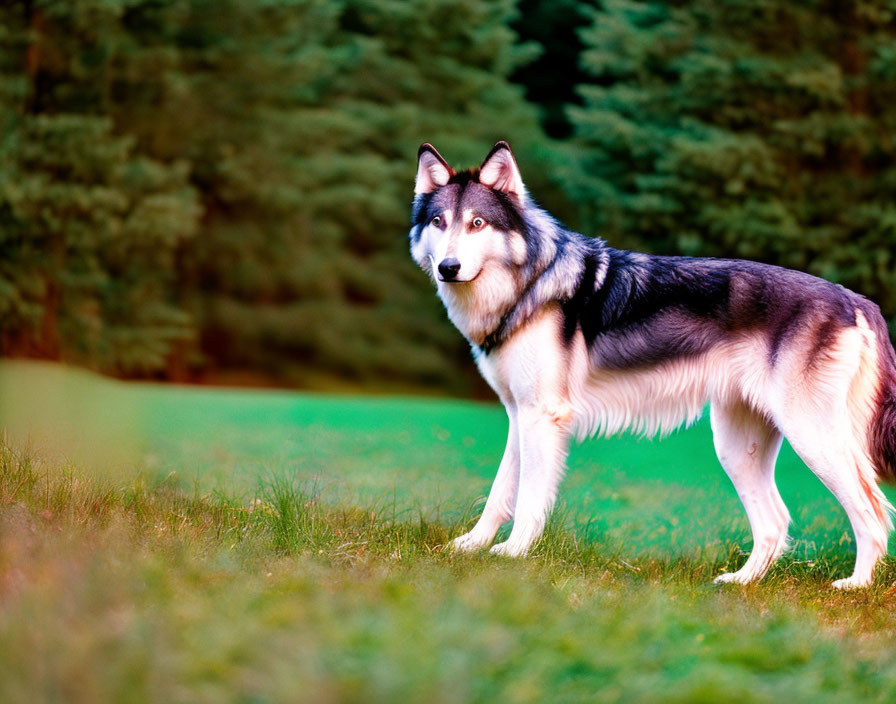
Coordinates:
<point>745,128</point>
<point>88,225</point>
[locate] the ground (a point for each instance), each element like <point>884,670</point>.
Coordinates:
<point>172,544</point>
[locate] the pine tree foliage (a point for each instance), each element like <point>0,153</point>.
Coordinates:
<point>758,129</point>
<point>88,225</point>
<point>308,177</point>
<point>194,184</point>
<point>191,185</point>
<point>552,78</point>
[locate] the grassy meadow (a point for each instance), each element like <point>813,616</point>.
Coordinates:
<point>170,544</point>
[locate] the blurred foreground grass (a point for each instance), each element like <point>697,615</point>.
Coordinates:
<point>206,545</point>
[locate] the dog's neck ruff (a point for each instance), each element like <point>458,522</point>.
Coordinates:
<point>496,337</point>
<point>569,264</point>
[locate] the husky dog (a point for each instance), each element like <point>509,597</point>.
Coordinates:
<point>578,338</point>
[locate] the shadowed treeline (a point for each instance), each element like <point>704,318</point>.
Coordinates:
<point>189,188</point>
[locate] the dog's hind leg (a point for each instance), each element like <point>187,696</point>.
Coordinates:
<point>822,439</point>
<point>747,446</point>
<point>502,497</point>
<point>824,415</point>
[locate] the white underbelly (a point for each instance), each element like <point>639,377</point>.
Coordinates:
<point>661,398</point>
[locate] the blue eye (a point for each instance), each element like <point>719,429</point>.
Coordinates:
<point>478,223</point>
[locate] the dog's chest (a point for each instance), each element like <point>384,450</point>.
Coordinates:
<point>489,367</point>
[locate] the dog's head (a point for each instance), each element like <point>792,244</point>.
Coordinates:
<point>464,221</point>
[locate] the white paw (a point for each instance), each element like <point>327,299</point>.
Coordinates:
<point>468,542</point>
<point>733,578</point>
<point>851,583</point>
<point>507,549</point>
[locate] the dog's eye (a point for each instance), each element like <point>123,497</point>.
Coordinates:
<point>437,221</point>
<point>478,223</point>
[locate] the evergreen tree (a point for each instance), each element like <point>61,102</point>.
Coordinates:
<point>759,129</point>
<point>88,226</point>
<point>552,78</point>
<point>195,184</point>
<point>302,120</point>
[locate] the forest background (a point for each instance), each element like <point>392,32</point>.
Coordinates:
<point>217,190</point>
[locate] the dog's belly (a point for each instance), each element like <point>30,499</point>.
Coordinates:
<point>660,398</point>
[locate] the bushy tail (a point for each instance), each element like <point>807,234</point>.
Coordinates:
<point>882,433</point>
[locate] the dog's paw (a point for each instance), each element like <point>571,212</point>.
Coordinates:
<point>507,549</point>
<point>851,583</point>
<point>733,578</point>
<point>468,542</point>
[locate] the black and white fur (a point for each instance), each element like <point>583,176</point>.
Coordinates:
<point>578,338</point>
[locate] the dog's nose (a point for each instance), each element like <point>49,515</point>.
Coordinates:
<point>449,268</point>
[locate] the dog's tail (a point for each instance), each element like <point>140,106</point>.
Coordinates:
<point>883,432</point>
<point>882,429</point>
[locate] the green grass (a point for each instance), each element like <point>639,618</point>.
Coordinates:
<point>169,544</point>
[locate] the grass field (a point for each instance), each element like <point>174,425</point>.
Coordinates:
<point>195,545</point>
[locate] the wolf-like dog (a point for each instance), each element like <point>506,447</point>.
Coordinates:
<point>578,338</point>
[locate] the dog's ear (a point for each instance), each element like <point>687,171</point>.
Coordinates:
<point>499,171</point>
<point>432,170</point>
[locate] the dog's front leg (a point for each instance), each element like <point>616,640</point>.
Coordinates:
<point>501,499</point>
<point>544,442</point>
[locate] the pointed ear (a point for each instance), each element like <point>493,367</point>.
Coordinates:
<point>432,170</point>
<point>499,171</point>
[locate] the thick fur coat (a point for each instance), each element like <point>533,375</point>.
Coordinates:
<point>578,338</point>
